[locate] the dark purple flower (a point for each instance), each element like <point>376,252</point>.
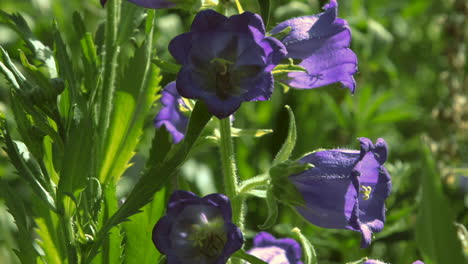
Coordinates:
<point>276,251</point>
<point>226,61</point>
<point>197,230</point>
<point>322,43</point>
<point>346,188</point>
<point>170,115</point>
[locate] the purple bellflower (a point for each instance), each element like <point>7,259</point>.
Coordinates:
<point>197,230</point>
<point>346,188</point>
<point>373,261</point>
<point>321,42</point>
<point>170,114</point>
<point>276,251</point>
<point>226,61</point>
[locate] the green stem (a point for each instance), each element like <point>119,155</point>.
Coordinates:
<point>228,161</point>
<point>110,67</point>
<point>230,175</point>
<point>240,10</point>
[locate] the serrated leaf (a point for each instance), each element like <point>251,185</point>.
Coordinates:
<point>310,256</point>
<point>132,101</point>
<point>241,254</point>
<point>41,52</point>
<point>166,66</point>
<point>139,247</point>
<point>288,146</point>
<point>436,235</point>
<point>129,21</point>
<point>272,206</point>
<point>156,175</point>
<point>28,169</point>
<point>26,253</point>
<point>47,230</point>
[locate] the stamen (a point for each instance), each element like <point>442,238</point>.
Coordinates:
<point>366,192</point>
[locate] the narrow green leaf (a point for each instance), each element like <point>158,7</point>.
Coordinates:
<point>133,99</point>
<point>166,66</point>
<point>241,132</point>
<point>160,145</point>
<point>48,242</point>
<point>112,249</point>
<point>310,257</point>
<point>26,253</point>
<point>265,9</point>
<point>436,235</point>
<point>272,206</point>
<point>129,21</point>
<point>241,254</point>
<point>286,68</point>
<point>28,171</point>
<point>288,146</point>
<point>41,52</point>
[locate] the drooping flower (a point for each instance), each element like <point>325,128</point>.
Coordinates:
<point>226,61</point>
<point>346,188</point>
<point>276,251</point>
<point>197,230</point>
<point>170,115</point>
<point>322,43</point>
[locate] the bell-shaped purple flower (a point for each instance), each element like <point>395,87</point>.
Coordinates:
<point>170,115</point>
<point>226,61</point>
<point>322,43</point>
<point>276,251</point>
<point>346,188</point>
<point>197,230</point>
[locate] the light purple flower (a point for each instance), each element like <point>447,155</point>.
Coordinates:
<point>276,251</point>
<point>373,261</point>
<point>226,61</point>
<point>197,230</point>
<point>170,115</point>
<point>346,188</point>
<point>322,43</point>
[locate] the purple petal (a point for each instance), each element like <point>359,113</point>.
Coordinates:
<point>170,115</point>
<point>326,67</point>
<point>268,248</point>
<point>180,46</point>
<point>207,20</point>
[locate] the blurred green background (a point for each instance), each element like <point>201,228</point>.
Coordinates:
<point>411,91</point>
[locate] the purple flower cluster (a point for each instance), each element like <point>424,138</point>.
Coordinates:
<point>346,188</point>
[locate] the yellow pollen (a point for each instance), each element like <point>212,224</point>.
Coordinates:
<point>366,192</point>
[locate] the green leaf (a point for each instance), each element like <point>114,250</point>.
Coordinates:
<point>272,206</point>
<point>26,253</point>
<point>287,68</point>
<point>241,254</point>
<point>310,257</point>
<point>41,52</point>
<point>436,235</point>
<point>133,99</point>
<point>129,21</point>
<point>241,132</point>
<point>283,189</point>
<point>288,146</point>
<point>48,241</point>
<point>265,9</point>
<point>27,168</point>
<point>112,249</point>
<point>160,145</point>
<point>140,227</point>
<point>166,66</point>
<point>156,175</point>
